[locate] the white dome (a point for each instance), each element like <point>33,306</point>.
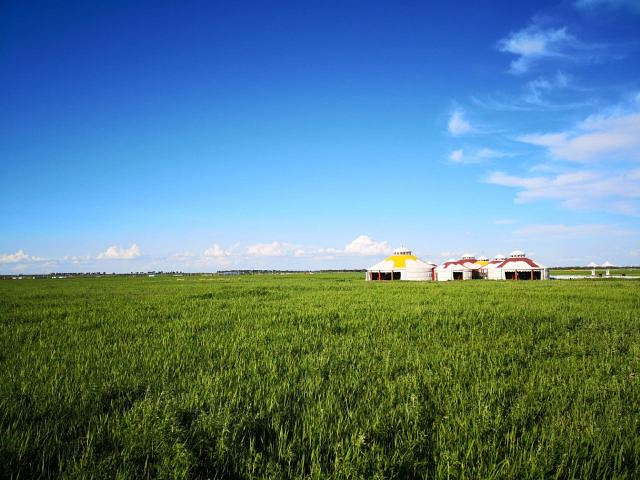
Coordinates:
<point>402,251</point>
<point>517,253</point>
<point>468,256</point>
<point>482,258</point>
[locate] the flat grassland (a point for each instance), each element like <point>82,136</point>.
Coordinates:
<point>318,376</point>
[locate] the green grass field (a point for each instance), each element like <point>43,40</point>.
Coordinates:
<point>318,376</point>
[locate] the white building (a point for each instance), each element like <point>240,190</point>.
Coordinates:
<point>464,269</point>
<point>401,265</point>
<point>516,267</point>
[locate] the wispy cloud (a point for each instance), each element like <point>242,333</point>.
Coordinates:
<point>120,253</point>
<point>632,5</point>
<point>478,155</point>
<point>527,103</point>
<point>534,43</point>
<point>77,259</point>
<point>537,43</point>
<point>187,254</point>
<point>458,124</point>
<point>536,90</point>
<point>597,138</point>
<point>216,251</point>
<point>457,156</point>
<point>273,249</point>
<point>582,190</point>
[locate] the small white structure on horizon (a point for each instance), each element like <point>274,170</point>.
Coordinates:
<point>516,267</point>
<point>401,265</point>
<point>464,269</point>
<point>593,266</point>
<point>607,265</point>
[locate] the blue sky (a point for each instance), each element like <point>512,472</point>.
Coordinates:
<point>202,136</point>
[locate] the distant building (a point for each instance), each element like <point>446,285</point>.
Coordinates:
<point>401,265</point>
<point>516,267</point>
<point>466,268</point>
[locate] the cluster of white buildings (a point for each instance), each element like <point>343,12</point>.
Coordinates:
<point>403,265</point>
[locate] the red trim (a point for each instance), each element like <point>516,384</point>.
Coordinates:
<point>528,261</point>
<point>461,262</point>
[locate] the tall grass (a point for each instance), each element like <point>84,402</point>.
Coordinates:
<point>318,376</point>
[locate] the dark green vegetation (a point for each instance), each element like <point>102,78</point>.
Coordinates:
<point>599,271</point>
<point>318,376</point>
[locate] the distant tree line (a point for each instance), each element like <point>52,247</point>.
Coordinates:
<point>172,273</point>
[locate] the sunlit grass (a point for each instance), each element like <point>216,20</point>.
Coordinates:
<point>318,376</point>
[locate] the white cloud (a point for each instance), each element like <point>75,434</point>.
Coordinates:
<point>184,255</point>
<point>457,156</point>
<point>537,89</point>
<point>597,138</point>
<point>458,125</point>
<point>476,156</point>
<point>365,245</point>
<point>633,5</point>
<point>486,153</point>
<point>539,42</point>
<point>216,251</point>
<point>77,259</point>
<point>273,249</point>
<point>533,43</point>
<point>19,256</point>
<point>582,190</point>
<point>118,253</point>
<point>562,230</point>
<point>528,103</point>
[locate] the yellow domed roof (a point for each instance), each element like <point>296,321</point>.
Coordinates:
<point>400,261</point>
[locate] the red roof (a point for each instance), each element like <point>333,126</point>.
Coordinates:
<point>526,260</point>
<point>459,262</point>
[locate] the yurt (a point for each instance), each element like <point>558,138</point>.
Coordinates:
<point>401,265</point>
<point>516,267</point>
<point>463,269</point>
<point>493,263</point>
